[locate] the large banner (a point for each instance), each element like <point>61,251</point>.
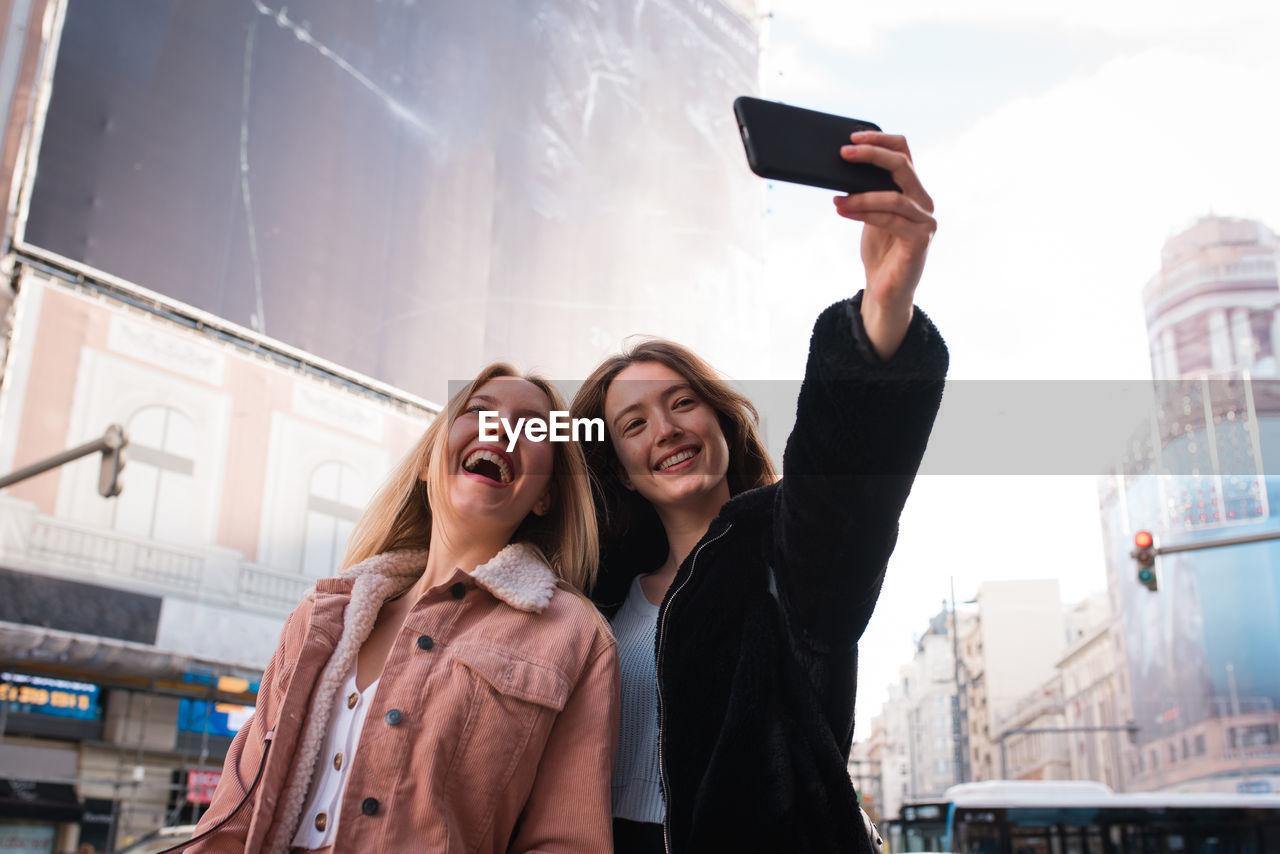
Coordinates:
<point>410,189</point>
<point>1200,647</point>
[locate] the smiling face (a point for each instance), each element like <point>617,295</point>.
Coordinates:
<point>668,440</point>
<point>486,484</point>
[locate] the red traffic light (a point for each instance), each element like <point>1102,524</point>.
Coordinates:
<point>1145,554</point>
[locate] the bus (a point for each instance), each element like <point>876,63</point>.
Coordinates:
<point>1032,817</point>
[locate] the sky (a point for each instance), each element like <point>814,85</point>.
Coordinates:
<point>1062,144</point>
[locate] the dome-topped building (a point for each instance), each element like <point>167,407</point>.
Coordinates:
<point>1212,308</point>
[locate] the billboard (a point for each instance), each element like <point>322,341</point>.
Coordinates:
<point>410,189</point>
<point>1199,648</point>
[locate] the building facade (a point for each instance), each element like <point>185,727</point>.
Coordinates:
<point>1203,694</point>
<point>1095,694</point>
<point>133,629</point>
<point>1017,633</point>
<point>914,733</point>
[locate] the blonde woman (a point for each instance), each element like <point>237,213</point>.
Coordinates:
<point>450,689</point>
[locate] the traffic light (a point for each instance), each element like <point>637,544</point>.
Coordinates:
<point>1144,553</point>
<point>113,460</point>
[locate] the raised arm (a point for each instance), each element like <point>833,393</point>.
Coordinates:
<point>861,430</point>
<point>872,387</point>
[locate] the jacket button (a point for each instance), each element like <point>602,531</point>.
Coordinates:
<point>369,806</point>
<point>394,717</point>
<point>425,642</point>
<point>458,590</point>
<point>337,762</point>
<point>321,821</point>
<point>352,699</point>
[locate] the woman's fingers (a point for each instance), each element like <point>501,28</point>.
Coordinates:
<point>894,225</point>
<point>893,212</point>
<point>893,141</point>
<point>885,202</point>
<point>889,153</point>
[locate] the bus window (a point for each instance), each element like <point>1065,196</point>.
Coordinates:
<point>1027,840</point>
<point>1082,840</point>
<point>978,839</point>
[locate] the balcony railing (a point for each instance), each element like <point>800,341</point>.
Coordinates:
<point>32,541</point>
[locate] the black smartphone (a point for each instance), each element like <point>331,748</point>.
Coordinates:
<point>802,146</point>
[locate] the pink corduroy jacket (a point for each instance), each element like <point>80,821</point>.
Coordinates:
<point>491,730</point>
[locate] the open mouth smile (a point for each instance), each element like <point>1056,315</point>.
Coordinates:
<point>489,466</point>
<point>677,461</point>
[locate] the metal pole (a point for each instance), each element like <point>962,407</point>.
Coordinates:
<point>1027,730</point>
<point>1235,714</point>
<point>911,744</point>
<point>1213,544</point>
<point>957,723</point>
<point>94,447</point>
<point>115,801</point>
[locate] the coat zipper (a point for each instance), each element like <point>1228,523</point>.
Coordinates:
<point>662,628</point>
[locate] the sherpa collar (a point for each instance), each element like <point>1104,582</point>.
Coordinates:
<point>518,575</point>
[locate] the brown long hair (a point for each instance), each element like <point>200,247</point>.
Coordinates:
<point>400,515</point>
<point>625,514</point>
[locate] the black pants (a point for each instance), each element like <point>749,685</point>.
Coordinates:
<point>637,837</point>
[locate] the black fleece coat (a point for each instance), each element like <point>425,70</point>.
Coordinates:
<point>757,636</point>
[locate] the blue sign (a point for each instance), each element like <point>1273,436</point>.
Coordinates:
<point>1254,787</point>
<point>42,695</point>
<point>222,719</point>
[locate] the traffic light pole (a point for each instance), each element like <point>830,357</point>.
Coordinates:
<point>111,443</point>
<point>1146,551</point>
<point>1213,544</point>
<point>1131,728</point>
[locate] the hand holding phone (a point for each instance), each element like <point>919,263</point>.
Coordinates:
<point>802,146</point>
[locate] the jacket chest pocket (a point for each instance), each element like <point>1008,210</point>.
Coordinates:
<point>510,706</point>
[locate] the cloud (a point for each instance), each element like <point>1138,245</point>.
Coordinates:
<point>1054,208</point>
<point>861,26</point>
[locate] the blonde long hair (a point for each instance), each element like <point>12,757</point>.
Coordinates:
<point>400,515</point>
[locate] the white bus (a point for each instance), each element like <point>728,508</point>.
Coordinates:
<point>1026,817</point>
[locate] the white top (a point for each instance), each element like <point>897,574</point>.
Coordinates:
<point>319,825</point>
<point>637,784</point>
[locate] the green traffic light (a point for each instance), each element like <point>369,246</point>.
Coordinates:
<point>1146,575</point>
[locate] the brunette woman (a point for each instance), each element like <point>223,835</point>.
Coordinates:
<point>450,689</point>
<point>738,599</point>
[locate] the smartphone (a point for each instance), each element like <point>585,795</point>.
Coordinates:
<point>802,146</point>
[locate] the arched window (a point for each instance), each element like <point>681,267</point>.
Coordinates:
<point>335,497</point>
<point>159,488</point>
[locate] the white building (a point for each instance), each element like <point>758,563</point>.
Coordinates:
<point>1010,649</point>
<point>919,720</point>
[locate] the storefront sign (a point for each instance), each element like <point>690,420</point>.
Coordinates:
<point>25,838</point>
<point>219,719</point>
<point>45,696</point>
<point>200,786</point>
